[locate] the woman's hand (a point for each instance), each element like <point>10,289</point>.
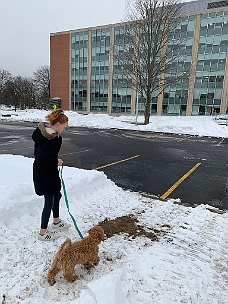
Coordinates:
<point>60,162</point>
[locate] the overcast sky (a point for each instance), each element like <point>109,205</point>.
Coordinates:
<point>25,27</point>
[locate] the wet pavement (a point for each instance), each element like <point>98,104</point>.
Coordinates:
<point>147,162</point>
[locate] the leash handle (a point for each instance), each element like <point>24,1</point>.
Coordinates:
<point>67,203</point>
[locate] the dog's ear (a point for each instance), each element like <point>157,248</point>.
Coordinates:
<point>97,233</point>
<point>101,233</point>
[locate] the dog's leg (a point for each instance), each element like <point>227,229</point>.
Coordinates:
<point>96,260</point>
<point>52,274</point>
<point>68,274</point>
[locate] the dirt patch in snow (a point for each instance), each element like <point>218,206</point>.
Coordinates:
<point>127,224</point>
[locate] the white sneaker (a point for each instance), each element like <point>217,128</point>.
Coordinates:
<point>60,226</point>
<point>48,236</point>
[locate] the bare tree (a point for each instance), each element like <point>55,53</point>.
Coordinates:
<point>42,85</point>
<point>146,55</point>
<point>11,93</point>
<point>20,92</point>
<point>4,77</point>
<point>23,92</point>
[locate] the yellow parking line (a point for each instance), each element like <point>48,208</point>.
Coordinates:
<point>185,138</point>
<point>221,141</point>
<point>73,152</point>
<point>117,162</point>
<point>33,147</point>
<point>156,135</point>
<point>179,181</point>
<point>16,149</point>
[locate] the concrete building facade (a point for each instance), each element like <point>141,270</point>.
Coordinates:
<point>81,67</point>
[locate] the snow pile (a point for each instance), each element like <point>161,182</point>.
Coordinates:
<point>188,264</point>
<point>192,125</point>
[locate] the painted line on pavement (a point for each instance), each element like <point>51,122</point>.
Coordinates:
<point>33,147</point>
<point>171,189</point>
<point>185,138</point>
<point>117,162</point>
<point>156,135</point>
<point>221,141</point>
<point>15,149</point>
<point>73,152</point>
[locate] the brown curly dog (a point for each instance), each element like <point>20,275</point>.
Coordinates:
<point>81,252</point>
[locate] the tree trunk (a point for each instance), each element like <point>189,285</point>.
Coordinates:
<point>147,113</point>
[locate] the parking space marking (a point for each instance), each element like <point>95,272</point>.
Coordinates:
<point>171,189</point>
<point>15,149</point>
<point>117,162</point>
<point>156,135</point>
<point>74,152</point>
<point>185,138</point>
<point>221,141</point>
<point>33,147</point>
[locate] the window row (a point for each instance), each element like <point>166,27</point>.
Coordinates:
<point>77,71</point>
<point>79,45</point>
<point>209,85</point>
<point>215,14</point>
<point>212,49</point>
<point>121,109</point>
<point>204,101</point>
<point>78,106</point>
<point>79,36</point>
<point>173,109</point>
<point>205,110</point>
<point>213,31</point>
<point>100,70</point>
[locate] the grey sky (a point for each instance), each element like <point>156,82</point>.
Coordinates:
<point>25,27</point>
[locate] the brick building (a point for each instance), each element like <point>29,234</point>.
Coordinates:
<point>81,67</point>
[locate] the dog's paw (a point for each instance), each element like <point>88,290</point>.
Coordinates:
<point>71,279</point>
<point>51,282</point>
<point>74,278</point>
<point>96,262</point>
<point>87,265</point>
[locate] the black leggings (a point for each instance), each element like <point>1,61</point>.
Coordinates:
<point>51,202</point>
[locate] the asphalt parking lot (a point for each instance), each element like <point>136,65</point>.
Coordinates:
<point>189,168</point>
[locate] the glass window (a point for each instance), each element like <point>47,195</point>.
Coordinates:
<point>191,18</point>
<point>208,49</point>
<point>195,108</point>
<point>211,15</point>
<point>203,31</point>
<point>223,48</point>
<point>217,31</point>
<point>198,85</point>
<point>204,21</point>
<point>217,101</point>
<point>219,13</point>
<point>215,49</point>
<point>217,40</point>
<point>210,32</point>
<point>221,65</point>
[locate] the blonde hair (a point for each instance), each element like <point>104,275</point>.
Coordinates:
<point>57,116</point>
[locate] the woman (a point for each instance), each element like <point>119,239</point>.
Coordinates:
<point>45,171</point>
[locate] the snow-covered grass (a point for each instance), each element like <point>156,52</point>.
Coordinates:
<point>188,264</point>
<point>193,125</point>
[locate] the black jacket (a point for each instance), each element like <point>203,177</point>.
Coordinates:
<point>45,167</point>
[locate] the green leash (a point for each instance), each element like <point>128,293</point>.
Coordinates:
<point>67,203</point>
